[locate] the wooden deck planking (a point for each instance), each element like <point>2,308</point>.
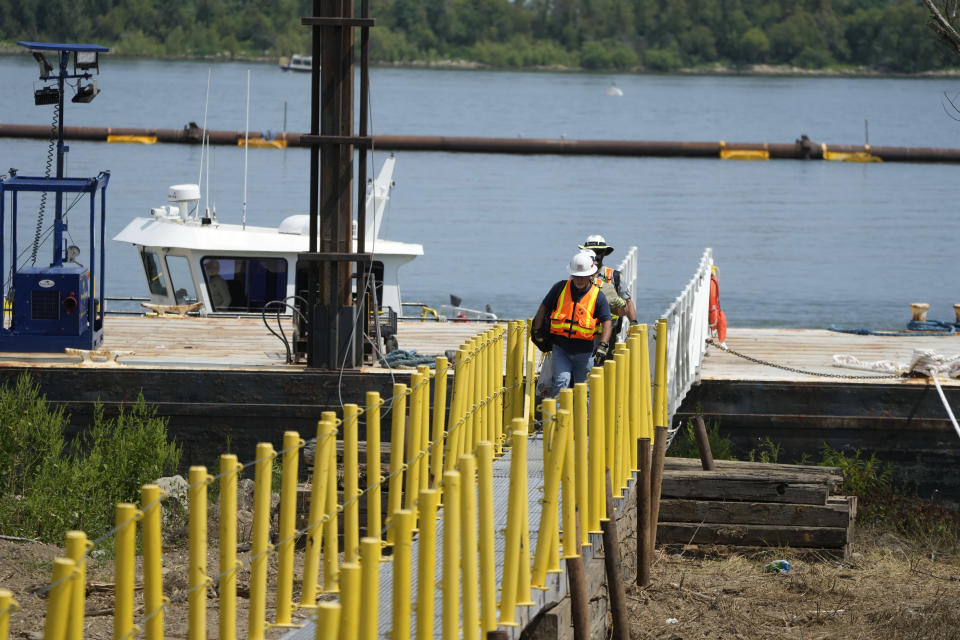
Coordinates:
<point>813,350</point>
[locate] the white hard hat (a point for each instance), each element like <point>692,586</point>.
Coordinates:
<point>597,244</point>
<point>582,264</point>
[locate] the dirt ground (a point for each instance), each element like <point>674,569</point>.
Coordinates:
<point>890,589</point>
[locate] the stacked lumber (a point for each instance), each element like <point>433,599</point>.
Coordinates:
<point>752,505</point>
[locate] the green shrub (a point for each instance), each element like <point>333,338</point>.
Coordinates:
<point>49,486</point>
<point>768,451</point>
<point>685,442</point>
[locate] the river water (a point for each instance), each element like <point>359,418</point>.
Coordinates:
<point>799,244</point>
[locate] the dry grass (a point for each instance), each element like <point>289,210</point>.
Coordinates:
<point>890,590</point>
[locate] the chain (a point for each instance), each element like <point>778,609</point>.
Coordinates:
<point>723,347</point>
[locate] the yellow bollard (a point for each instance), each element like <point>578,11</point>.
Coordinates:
<point>636,424</point>
<point>439,414</point>
<point>451,556</point>
<point>403,523</point>
<point>61,590</point>
<point>397,432</point>
<point>530,363</point>
<point>124,567</point>
<point>424,461</point>
<point>326,439</point>
<point>660,378</point>
<point>548,416</point>
<point>622,445</point>
<point>511,373</point>
<point>331,528</point>
<point>260,545</point>
<point>494,354</point>
<point>597,451</point>
<point>415,424</point>
<point>426,563</point>
<point>470,425</point>
<point>373,463</point>
<point>610,418</point>
<point>152,545</point>
<point>351,492</point>
<point>468,553</point>
<point>553,470</point>
<point>486,535</point>
<point>198,581</point>
<point>328,621</point>
<point>7,606</point>
<point>369,587</point>
<point>349,601</point>
<point>480,392</point>
<point>569,482</point>
<point>289,468</point>
<point>581,465</point>
<point>646,406</point>
<point>77,547</point>
<point>454,424</point>
<point>500,388</point>
<point>524,595</point>
<point>516,503</point>
<point>227,546</point>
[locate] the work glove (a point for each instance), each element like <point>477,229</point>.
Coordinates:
<point>600,354</point>
<point>541,339</point>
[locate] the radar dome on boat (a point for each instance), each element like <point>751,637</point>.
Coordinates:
<point>183,193</point>
<point>298,225</point>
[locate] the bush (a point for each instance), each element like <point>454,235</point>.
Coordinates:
<point>49,486</point>
<point>685,442</point>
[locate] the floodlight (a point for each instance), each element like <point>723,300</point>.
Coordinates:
<point>45,67</point>
<point>86,60</point>
<point>86,93</point>
<point>46,95</point>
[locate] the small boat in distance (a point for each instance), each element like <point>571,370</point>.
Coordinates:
<point>192,259</point>
<point>297,63</point>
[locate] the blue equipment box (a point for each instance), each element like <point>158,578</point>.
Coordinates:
<point>52,301</point>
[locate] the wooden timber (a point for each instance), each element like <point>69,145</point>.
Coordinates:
<point>783,487</point>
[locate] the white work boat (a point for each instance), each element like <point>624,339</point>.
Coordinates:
<point>232,269</point>
<point>297,63</point>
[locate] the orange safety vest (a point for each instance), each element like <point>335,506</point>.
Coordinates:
<point>575,320</point>
<point>606,277</point>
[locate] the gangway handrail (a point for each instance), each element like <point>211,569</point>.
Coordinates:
<point>687,331</point>
<point>628,280</point>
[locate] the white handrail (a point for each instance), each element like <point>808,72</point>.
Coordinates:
<point>628,277</point>
<point>687,332</point>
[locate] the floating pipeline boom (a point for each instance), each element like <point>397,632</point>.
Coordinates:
<point>801,149</point>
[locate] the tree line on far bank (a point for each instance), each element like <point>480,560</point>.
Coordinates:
<point>658,35</point>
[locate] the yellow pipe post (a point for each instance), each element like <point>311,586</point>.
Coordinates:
<point>646,405</point>
<point>397,432</point>
<point>373,462</point>
<point>633,352</point>
<point>454,424</point>
<point>468,552</point>
<point>351,491</point>
<point>326,438</point>
<point>579,458</point>
<point>152,545</point>
<point>530,355</point>
<point>124,567</point>
<point>227,547</point>
<point>610,436</point>
<point>426,563</point>
<point>402,551</point>
<point>328,621</point>
<point>331,528</point>
<point>623,428</point>
<point>568,481</point>
<point>524,596</point>
<point>482,391</point>
<point>451,556</point>
<point>369,587</point>
<point>660,377</point>
<point>470,426</point>
<point>198,581</point>
<point>499,387</point>
<point>494,353</point>
<point>439,415</point>
<point>289,468</point>
<point>349,601</point>
<point>77,547</point>
<point>7,606</point>
<point>516,502</point>
<point>553,469</point>
<point>424,447</point>
<point>548,415</point>
<point>511,374</point>
<point>486,535</point>
<point>260,544</point>
<point>413,464</point>
<point>60,594</point>
<point>597,451</point>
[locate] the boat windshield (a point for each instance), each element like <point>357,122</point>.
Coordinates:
<point>181,280</point>
<point>242,284</point>
<point>151,266</point>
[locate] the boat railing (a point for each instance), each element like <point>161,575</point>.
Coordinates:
<point>628,278</point>
<point>687,331</point>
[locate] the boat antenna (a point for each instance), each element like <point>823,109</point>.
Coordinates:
<point>209,177</point>
<point>203,131</point>
<point>246,152</point>
<point>206,209</point>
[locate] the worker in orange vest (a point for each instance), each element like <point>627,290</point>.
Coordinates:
<point>571,315</point>
<point>610,282</point>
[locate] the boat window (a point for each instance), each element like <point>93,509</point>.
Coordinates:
<point>151,267</point>
<point>243,284</point>
<point>377,268</point>
<point>181,280</point>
